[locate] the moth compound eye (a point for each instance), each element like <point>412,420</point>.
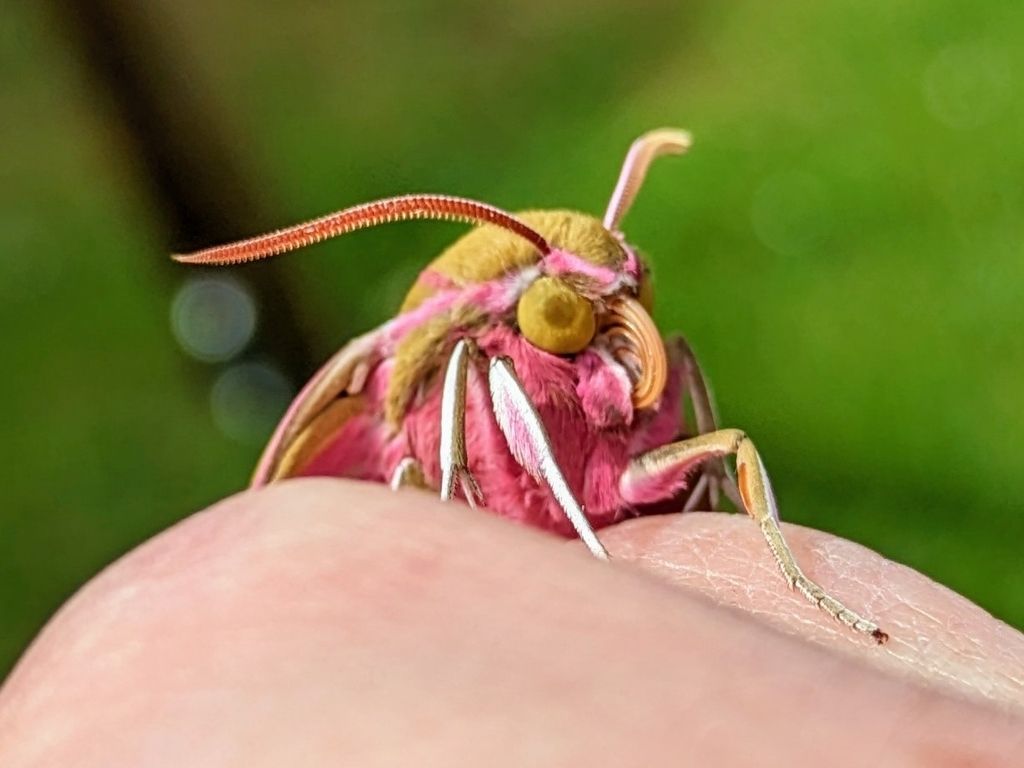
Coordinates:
<point>553,317</point>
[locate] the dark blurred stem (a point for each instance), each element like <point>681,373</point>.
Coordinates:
<point>183,155</point>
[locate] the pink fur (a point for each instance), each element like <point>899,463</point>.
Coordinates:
<point>496,297</point>
<point>604,391</point>
<point>655,487</point>
<point>397,328</point>
<point>583,404</point>
<point>354,453</point>
<point>560,262</point>
<point>632,265</point>
<point>434,279</point>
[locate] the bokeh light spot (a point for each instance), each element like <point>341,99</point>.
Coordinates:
<point>248,399</point>
<point>967,85</point>
<point>213,318</point>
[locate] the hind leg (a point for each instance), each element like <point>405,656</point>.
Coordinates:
<point>759,502</point>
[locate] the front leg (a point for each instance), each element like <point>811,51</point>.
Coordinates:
<point>529,444</point>
<point>454,463</point>
<point>676,459</point>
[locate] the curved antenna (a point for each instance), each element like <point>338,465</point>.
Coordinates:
<point>662,141</point>
<point>443,207</point>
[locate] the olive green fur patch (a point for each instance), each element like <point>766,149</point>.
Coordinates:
<point>419,357</point>
<point>486,253</point>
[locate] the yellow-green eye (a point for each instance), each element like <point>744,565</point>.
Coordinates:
<point>555,318</point>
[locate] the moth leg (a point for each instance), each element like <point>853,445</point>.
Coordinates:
<point>697,493</point>
<point>454,463</point>
<point>408,472</point>
<point>756,493</point>
<point>530,445</point>
<point>715,475</point>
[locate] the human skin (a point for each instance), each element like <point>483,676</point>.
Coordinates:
<point>324,622</point>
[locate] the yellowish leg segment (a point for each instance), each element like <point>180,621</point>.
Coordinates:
<point>758,500</point>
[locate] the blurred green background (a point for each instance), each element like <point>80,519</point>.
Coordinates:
<point>843,246</point>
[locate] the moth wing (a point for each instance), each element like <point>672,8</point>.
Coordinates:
<point>317,435</point>
<point>317,411</point>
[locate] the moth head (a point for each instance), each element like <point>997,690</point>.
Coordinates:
<point>558,318</point>
<point>593,291</point>
<point>568,281</point>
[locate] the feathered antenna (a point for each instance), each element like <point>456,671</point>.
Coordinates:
<point>442,207</point>
<point>662,141</point>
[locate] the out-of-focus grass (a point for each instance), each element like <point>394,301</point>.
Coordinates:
<point>843,246</point>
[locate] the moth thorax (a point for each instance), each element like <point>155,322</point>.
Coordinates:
<point>488,252</point>
<point>485,253</point>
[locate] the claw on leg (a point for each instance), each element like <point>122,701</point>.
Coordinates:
<point>757,499</point>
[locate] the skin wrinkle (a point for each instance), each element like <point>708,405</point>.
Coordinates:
<point>728,562</point>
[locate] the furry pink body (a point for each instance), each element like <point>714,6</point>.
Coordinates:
<point>584,404</point>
